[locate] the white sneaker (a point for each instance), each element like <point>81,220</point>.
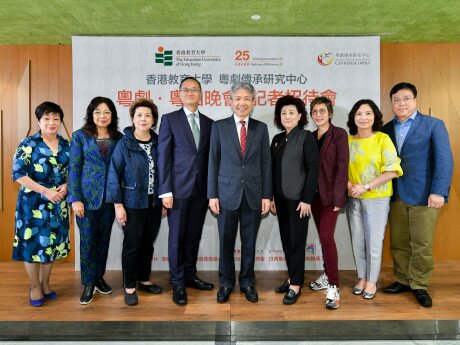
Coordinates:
<point>321,283</point>
<point>332,297</point>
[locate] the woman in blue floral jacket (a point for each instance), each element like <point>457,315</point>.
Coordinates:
<point>42,216</point>
<point>91,149</point>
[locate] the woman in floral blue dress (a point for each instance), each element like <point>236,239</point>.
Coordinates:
<point>42,214</point>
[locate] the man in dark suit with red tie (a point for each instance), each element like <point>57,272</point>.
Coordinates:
<point>182,164</point>
<point>239,188</point>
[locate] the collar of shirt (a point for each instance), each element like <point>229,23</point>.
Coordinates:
<point>408,121</point>
<point>197,117</point>
<point>401,130</point>
<point>237,121</point>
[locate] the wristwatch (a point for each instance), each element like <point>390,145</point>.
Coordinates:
<point>367,187</point>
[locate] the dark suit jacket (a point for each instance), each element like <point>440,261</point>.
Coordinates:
<point>334,158</point>
<point>300,164</point>
<point>88,170</point>
<point>230,173</point>
<point>180,163</point>
<point>426,160</point>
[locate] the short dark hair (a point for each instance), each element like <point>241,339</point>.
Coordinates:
<point>378,116</point>
<point>290,100</point>
<point>144,102</point>
<point>48,107</point>
<point>323,100</point>
<point>90,127</point>
<point>190,78</point>
<point>404,86</point>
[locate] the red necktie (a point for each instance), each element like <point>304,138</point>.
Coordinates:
<point>243,137</point>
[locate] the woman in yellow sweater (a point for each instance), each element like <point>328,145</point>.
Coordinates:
<point>373,164</point>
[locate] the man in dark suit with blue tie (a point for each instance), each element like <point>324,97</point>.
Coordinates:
<point>182,164</point>
<point>239,188</point>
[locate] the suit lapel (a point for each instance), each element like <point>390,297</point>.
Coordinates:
<point>252,125</point>
<point>203,131</point>
<point>327,141</point>
<point>231,125</point>
<point>183,121</point>
<point>413,128</point>
<point>280,141</point>
<point>94,148</point>
<point>391,133</point>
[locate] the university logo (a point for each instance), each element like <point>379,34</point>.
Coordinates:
<point>164,57</point>
<point>325,59</point>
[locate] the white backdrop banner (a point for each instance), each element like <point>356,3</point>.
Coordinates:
<point>345,69</point>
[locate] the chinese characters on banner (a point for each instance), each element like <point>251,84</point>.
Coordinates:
<point>343,69</point>
<point>216,98</point>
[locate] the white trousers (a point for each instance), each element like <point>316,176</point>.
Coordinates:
<point>367,219</point>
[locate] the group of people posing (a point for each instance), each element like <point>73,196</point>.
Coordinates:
<point>401,171</point>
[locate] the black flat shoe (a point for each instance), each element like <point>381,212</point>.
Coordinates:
<point>130,298</point>
<point>291,297</point>
<point>179,295</point>
<point>223,295</point>
<point>282,288</point>
<point>423,298</point>
<point>150,288</point>
<point>251,293</point>
<point>87,294</point>
<point>198,284</point>
<point>396,287</point>
<point>102,286</point>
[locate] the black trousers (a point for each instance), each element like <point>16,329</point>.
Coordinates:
<point>140,232</point>
<point>293,232</point>
<point>228,227</point>
<point>185,221</point>
<point>95,229</point>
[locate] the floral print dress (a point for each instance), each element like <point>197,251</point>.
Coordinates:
<point>42,228</point>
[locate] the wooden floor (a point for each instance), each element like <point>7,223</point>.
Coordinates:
<point>202,306</point>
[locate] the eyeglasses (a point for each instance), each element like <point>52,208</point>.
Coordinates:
<point>185,90</point>
<point>321,111</point>
<point>402,100</point>
<point>99,113</point>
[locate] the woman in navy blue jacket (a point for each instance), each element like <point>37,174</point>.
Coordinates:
<point>132,185</point>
